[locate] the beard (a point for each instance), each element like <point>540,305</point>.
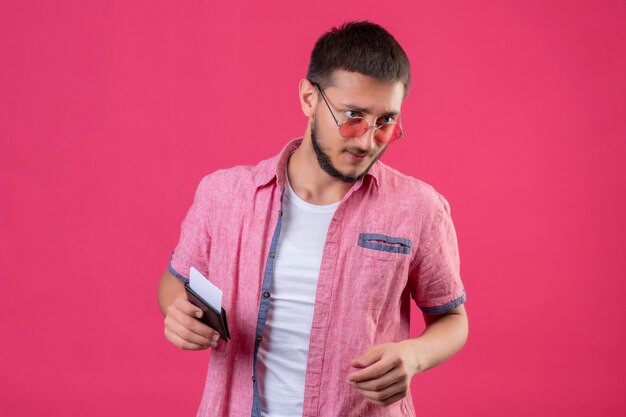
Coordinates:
<point>327,166</point>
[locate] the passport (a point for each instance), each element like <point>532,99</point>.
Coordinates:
<point>208,298</point>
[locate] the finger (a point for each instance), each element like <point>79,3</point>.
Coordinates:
<point>372,355</point>
<point>374,371</point>
<point>378,384</point>
<point>191,323</point>
<point>393,399</point>
<point>180,343</point>
<point>390,400</point>
<point>384,395</point>
<point>185,333</point>
<point>185,306</point>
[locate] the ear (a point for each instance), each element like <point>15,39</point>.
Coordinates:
<point>308,97</point>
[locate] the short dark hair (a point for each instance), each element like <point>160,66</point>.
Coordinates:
<point>362,47</point>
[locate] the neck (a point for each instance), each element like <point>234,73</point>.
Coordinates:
<point>309,181</point>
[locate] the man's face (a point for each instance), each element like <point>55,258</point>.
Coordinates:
<point>351,94</point>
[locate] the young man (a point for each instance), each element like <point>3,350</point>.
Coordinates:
<point>319,251</point>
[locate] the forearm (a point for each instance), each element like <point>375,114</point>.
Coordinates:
<point>443,338</point>
<point>170,288</point>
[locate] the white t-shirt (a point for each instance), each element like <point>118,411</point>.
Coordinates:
<point>284,348</point>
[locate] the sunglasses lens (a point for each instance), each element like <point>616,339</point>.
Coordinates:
<point>357,126</point>
<point>388,133</point>
<point>353,127</point>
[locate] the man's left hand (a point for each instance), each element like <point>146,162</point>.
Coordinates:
<point>386,372</point>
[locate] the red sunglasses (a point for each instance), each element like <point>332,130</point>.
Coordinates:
<point>385,133</point>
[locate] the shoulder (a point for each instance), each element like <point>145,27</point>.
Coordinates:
<point>413,192</point>
<point>238,178</point>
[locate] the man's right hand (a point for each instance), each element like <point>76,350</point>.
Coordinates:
<point>183,328</point>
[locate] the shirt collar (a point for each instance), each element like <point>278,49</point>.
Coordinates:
<point>274,168</point>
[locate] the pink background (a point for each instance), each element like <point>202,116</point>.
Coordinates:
<point>111,112</point>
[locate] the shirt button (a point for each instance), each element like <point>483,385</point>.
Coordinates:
<point>280,213</point>
<point>272,254</point>
<point>259,338</point>
<point>266,294</point>
<point>252,378</point>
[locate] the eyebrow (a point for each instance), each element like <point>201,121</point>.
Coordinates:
<point>367,110</point>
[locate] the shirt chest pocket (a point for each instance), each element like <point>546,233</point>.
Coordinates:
<point>377,243</point>
<point>381,263</point>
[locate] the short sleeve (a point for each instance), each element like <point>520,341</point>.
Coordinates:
<point>434,276</point>
<point>194,245</point>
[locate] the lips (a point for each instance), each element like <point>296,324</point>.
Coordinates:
<point>356,157</point>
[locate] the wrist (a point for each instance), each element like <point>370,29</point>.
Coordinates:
<point>415,358</point>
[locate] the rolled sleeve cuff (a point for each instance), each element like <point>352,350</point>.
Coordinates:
<point>176,273</point>
<point>444,308</point>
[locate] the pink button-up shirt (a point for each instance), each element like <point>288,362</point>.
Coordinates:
<point>391,239</point>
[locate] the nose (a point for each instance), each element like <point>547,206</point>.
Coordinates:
<point>366,140</point>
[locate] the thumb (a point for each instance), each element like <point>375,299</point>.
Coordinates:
<point>372,355</point>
